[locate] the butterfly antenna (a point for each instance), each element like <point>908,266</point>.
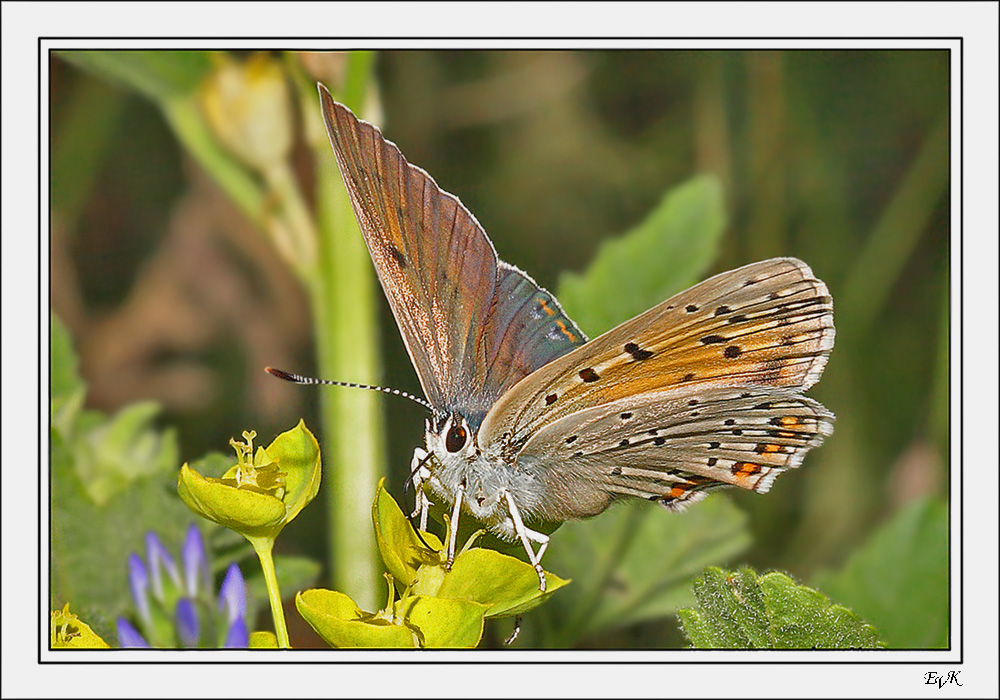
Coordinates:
<point>299,379</point>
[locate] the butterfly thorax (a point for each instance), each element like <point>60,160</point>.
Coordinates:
<point>482,475</point>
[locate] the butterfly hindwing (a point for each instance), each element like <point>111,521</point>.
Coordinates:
<point>674,447</point>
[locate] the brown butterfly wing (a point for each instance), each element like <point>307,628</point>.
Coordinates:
<point>768,324</point>
<point>673,447</point>
<point>473,326</point>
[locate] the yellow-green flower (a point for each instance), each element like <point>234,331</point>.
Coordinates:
<point>264,490</point>
<point>67,631</point>
<point>248,106</point>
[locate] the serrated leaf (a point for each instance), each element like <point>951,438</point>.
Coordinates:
<point>635,563</point>
<point>160,75</point>
<point>669,251</point>
<point>899,579</point>
<point>744,611</point>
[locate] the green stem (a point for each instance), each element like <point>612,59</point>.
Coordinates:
<point>294,233</point>
<point>263,548</point>
<point>347,345</point>
<point>887,250</point>
<point>600,575</point>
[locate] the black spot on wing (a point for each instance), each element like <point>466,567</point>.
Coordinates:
<point>637,353</point>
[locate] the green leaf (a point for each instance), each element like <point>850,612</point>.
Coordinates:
<point>68,391</point>
<point>91,541</point>
<point>443,623</point>
<point>159,75</point>
<point>342,624</point>
<point>899,579</point>
<point>402,551</point>
<point>63,364</point>
<point>263,640</point>
<point>109,454</point>
<point>668,252</point>
<point>248,512</point>
<point>297,454</point>
<point>744,611</point>
<point>507,586</point>
<point>635,563</point>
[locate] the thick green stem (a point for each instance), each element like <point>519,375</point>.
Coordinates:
<point>345,318</point>
<point>263,548</point>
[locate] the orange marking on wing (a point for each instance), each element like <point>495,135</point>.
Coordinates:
<point>788,420</point>
<point>678,491</point>
<point>768,448</point>
<point>565,331</point>
<point>744,469</point>
<point>546,308</point>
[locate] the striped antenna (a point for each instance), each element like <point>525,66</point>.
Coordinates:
<point>299,379</point>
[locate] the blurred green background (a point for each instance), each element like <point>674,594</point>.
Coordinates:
<point>171,293</point>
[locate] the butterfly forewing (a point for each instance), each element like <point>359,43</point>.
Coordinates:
<point>473,326</point>
<point>769,324</point>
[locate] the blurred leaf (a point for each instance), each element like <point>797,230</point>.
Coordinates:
<point>81,135</point>
<point>110,455</point>
<point>294,573</point>
<point>62,360</point>
<point>744,611</point>
<point>634,563</point>
<point>160,75</point>
<point>111,480</point>
<point>67,391</point>
<point>668,252</point>
<point>899,579</point>
<point>883,259</point>
<point>91,541</point>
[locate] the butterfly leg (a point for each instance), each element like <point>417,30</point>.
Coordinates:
<point>420,473</point>
<point>527,537</point>
<point>453,534</point>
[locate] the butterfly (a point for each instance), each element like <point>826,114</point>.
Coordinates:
<point>532,423</point>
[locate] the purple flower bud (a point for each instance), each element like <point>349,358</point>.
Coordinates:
<point>195,562</point>
<point>237,637</point>
<point>186,618</point>
<point>129,636</point>
<point>233,594</point>
<point>138,580</point>
<point>158,557</point>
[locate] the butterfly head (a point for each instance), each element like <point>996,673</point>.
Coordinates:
<point>450,437</point>
<point>458,464</point>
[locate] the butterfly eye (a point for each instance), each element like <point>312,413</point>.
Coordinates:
<point>455,440</point>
